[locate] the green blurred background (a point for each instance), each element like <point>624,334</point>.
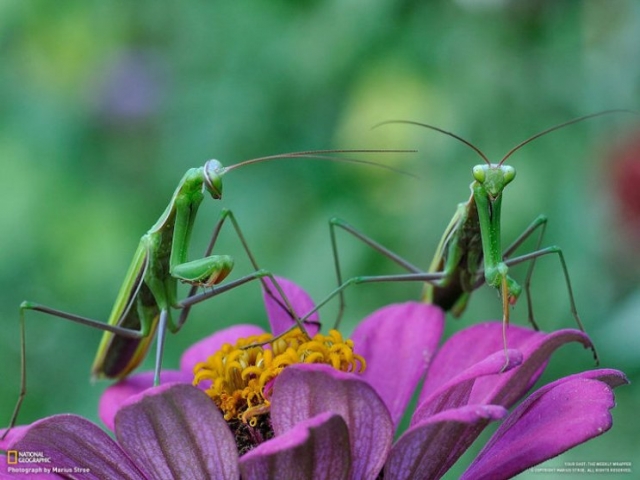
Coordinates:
<point>103,107</point>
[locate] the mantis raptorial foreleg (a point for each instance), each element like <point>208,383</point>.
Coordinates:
<point>227,214</point>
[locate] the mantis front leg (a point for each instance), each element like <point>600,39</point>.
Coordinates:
<point>259,273</point>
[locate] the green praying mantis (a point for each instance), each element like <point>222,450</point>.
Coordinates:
<point>469,253</point>
<point>149,292</point>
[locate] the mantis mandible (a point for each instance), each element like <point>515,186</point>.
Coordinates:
<point>149,292</point>
<point>469,253</point>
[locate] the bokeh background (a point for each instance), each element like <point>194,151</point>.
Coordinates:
<point>104,106</point>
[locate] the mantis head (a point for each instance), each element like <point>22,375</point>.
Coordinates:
<point>212,181</point>
<point>494,177</point>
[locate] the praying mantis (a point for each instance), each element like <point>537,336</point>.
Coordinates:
<point>149,292</point>
<point>469,253</point>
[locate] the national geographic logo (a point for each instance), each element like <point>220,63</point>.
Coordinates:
<point>37,463</point>
<point>18,457</point>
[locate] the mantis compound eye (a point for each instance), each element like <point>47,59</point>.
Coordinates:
<point>212,172</point>
<point>479,173</point>
<point>509,173</point>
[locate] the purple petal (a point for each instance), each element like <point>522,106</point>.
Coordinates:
<point>398,342</point>
<point>552,420</point>
<point>474,343</point>
<point>316,448</point>
<point>470,346</point>
<point>117,394</point>
<point>203,349</point>
<point>424,450</point>
<point>499,389</point>
<point>456,392</point>
<point>279,317</point>
<point>301,392</point>
<point>507,388</point>
<point>72,442</point>
<point>177,431</point>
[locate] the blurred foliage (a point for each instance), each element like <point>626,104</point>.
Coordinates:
<point>104,105</point>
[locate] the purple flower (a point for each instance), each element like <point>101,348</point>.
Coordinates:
<point>328,423</point>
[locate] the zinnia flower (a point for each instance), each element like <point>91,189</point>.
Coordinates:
<point>318,421</point>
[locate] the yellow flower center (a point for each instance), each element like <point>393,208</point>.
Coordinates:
<point>240,373</point>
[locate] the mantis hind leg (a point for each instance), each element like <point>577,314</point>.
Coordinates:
<point>558,251</point>
<point>335,223</point>
<point>260,274</point>
<point>23,376</point>
<point>540,222</point>
<point>125,332</point>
